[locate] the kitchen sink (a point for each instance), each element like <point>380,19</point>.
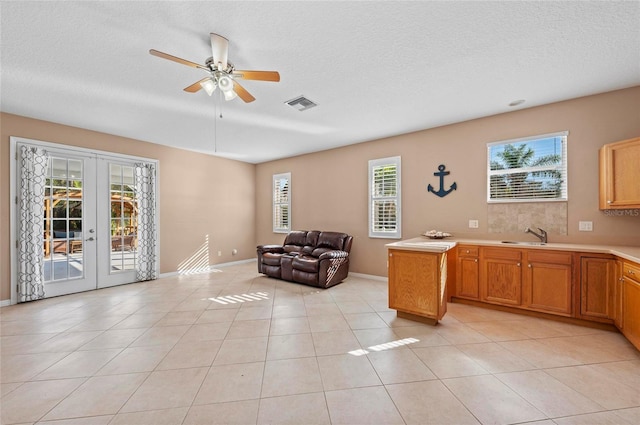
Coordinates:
<point>524,243</point>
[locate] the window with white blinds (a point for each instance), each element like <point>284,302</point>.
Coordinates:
<point>282,203</point>
<point>384,198</point>
<point>529,169</point>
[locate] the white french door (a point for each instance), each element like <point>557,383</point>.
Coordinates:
<point>90,226</point>
<point>70,239</point>
<point>117,215</point>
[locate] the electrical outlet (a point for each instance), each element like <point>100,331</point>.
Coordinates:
<point>473,224</point>
<point>585,226</point>
<point>219,253</point>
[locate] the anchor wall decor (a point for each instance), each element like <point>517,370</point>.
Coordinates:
<point>442,192</point>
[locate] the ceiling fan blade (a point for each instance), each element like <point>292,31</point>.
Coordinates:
<point>196,86</point>
<point>177,59</point>
<point>257,75</point>
<point>220,49</point>
<point>242,93</point>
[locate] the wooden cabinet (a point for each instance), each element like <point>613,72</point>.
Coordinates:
<point>631,302</point>
<point>467,272</point>
<point>532,279</point>
<point>417,284</point>
<point>620,174</point>
<point>595,287</point>
<point>598,288</point>
<point>501,276</point>
<point>547,282</point>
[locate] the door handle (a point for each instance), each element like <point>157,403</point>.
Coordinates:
<point>91,239</point>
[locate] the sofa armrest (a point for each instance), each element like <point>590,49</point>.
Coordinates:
<point>333,254</point>
<point>276,249</point>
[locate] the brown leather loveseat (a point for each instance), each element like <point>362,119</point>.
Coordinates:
<point>310,257</point>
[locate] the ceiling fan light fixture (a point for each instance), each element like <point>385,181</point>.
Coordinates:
<point>225,83</point>
<point>209,86</point>
<point>229,94</point>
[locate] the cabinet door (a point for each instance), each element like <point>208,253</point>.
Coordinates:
<point>547,282</point>
<point>618,313</point>
<point>467,272</point>
<point>597,288</point>
<point>631,311</point>
<point>619,175</point>
<point>501,277</point>
<point>414,282</point>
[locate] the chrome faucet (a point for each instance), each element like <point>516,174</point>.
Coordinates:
<point>542,235</point>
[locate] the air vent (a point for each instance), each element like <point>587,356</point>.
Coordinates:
<point>301,103</point>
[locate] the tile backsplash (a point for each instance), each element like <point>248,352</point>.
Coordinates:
<point>514,218</point>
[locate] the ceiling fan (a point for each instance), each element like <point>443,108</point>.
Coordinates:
<point>221,72</point>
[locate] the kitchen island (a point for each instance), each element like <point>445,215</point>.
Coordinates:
<point>418,278</point>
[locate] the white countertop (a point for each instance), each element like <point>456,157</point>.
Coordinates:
<point>423,244</point>
<point>631,253</point>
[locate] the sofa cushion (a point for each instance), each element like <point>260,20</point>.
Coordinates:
<point>312,238</point>
<point>333,240</point>
<point>296,237</point>
<point>307,264</point>
<point>292,249</point>
<point>319,251</point>
<point>271,259</point>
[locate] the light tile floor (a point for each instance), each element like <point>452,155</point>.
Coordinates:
<point>235,347</point>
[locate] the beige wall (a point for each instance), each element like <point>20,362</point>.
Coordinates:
<point>329,189</point>
<point>196,200</point>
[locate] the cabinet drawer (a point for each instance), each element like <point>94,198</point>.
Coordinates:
<point>502,253</point>
<point>631,270</point>
<point>550,257</point>
<point>467,251</point>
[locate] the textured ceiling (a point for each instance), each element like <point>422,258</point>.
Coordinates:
<point>376,69</point>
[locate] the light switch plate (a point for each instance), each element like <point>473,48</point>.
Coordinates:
<point>473,224</point>
<point>585,226</point>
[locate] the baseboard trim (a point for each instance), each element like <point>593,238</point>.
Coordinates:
<point>5,303</point>
<point>369,276</point>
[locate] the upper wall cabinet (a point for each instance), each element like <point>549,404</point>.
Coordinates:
<point>620,175</point>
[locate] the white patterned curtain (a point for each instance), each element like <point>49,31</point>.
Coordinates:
<point>33,174</point>
<point>147,232</point>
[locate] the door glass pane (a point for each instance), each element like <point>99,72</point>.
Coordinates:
<point>63,213</point>
<point>124,218</point>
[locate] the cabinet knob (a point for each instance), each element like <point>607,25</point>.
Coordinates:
<point>529,266</point>
<point>518,264</point>
<point>476,260</point>
<point>467,251</point>
<point>608,202</point>
<point>631,271</point>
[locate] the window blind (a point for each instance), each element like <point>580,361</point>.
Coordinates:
<point>384,198</point>
<point>530,169</point>
<point>282,203</point>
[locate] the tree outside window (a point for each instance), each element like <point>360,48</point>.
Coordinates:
<point>526,170</point>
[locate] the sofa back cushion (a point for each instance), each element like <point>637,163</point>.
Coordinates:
<point>332,240</point>
<point>295,241</point>
<point>312,238</point>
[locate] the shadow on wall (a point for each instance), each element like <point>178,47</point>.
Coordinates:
<point>198,262</point>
